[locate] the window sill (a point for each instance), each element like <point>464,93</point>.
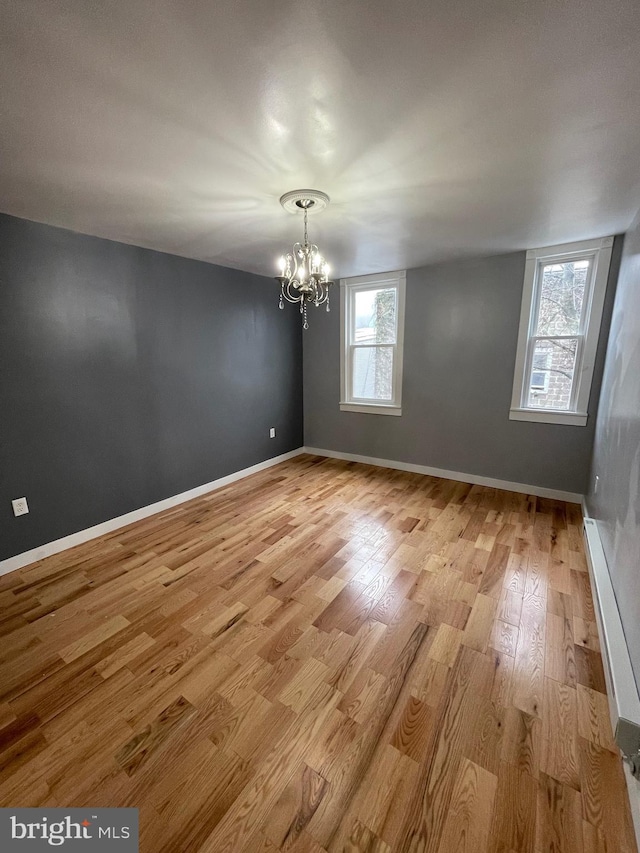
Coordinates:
<point>371,409</point>
<point>549,416</point>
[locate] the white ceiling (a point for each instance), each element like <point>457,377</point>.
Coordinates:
<point>439,129</point>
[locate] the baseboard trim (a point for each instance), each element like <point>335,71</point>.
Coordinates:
<point>475,479</point>
<point>73,539</point>
<point>49,548</point>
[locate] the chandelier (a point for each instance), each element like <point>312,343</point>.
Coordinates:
<point>304,273</point>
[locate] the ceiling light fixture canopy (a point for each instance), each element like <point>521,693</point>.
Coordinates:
<point>304,273</point>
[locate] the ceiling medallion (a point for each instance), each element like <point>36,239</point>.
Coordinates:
<point>304,273</point>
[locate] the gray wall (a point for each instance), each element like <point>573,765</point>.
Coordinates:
<point>461,332</point>
<point>128,376</point>
<point>616,457</point>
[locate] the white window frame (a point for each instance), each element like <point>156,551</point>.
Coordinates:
<point>348,289</point>
<point>599,252</point>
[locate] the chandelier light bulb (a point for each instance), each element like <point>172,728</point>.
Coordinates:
<point>282,264</point>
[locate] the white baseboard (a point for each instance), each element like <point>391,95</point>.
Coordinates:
<point>539,491</point>
<point>49,548</point>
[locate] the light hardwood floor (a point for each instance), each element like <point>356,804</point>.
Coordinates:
<point>324,656</point>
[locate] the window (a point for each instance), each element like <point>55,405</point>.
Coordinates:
<point>372,334</point>
<point>540,372</point>
<point>562,301</point>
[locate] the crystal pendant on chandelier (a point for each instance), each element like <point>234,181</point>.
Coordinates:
<point>304,273</point>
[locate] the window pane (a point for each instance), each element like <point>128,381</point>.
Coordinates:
<point>541,358</point>
<point>540,380</point>
<point>375,316</point>
<point>373,373</point>
<point>540,371</point>
<point>562,289</point>
<point>557,358</point>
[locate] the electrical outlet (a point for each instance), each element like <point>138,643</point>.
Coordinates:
<point>20,506</point>
<point>272,432</point>
<point>596,483</point>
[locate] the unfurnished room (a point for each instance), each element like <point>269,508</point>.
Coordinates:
<point>320,426</point>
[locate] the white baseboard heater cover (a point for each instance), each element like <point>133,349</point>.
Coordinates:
<point>624,702</point>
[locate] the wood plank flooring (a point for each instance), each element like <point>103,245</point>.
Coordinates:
<point>322,657</point>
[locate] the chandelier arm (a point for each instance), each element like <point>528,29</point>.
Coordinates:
<point>289,294</point>
<point>295,273</point>
<point>314,252</point>
<point>289,299</point>
<point>324,294</point>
